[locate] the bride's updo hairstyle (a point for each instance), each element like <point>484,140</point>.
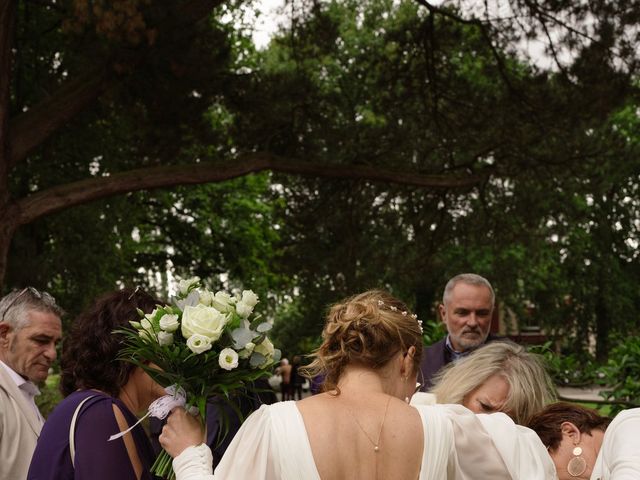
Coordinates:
<point>368,329</point>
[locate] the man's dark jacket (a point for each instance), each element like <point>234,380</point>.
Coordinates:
<point>437,356</point>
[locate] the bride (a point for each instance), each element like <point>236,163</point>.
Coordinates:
<point>362,427</point>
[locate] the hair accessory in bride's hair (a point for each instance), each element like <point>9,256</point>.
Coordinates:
<point>404,313</point>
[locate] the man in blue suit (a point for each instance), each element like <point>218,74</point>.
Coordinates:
<point>466,310</point>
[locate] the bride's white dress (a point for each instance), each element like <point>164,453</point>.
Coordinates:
<point>273,445</point>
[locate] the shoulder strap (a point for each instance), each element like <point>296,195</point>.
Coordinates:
<point>72,430</point>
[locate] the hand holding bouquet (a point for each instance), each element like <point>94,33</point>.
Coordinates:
<point>205,344</point>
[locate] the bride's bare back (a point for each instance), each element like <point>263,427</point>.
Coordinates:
<point>342,450</point>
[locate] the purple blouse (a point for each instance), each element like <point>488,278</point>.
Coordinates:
<point>96,458</point>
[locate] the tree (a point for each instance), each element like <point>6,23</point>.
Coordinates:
<point>127,54</point>
<point>442,89</point>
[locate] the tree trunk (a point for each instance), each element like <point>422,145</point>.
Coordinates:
<point>8,226</point>
<point>8,219</point>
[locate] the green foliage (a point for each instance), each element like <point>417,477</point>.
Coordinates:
<point>569,369</point>
<point>50,395</point>
<point>380,83</point>
<point>622,373</point>
<point>433,331</point>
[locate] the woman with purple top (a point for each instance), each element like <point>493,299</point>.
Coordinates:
<point>102,396</point>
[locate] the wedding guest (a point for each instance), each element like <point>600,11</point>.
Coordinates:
<point>362,425</point>
<point>30,328</point>
<point>466,311</point>
<point>284,370</point>
<point>102,394</point>
<point>585,445</point>
<point>499,377</point>
<point>297,380</point>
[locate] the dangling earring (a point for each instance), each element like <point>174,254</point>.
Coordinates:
<point>577,465</point>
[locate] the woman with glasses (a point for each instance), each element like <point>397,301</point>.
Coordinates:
<point>103,394</point>
<point>362,425</point>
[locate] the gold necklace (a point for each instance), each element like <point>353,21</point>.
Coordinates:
<point>376,444</point>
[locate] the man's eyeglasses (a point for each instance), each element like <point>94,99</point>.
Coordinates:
<point>33,291</point>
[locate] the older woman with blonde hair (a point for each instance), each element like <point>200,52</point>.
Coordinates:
<point>499,377</point>
<point>362,425</point>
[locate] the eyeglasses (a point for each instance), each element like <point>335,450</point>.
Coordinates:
<point>138,288</point>
<point>33,291</point>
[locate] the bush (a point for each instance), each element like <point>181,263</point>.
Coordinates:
<point>569,370</point>
<point>622,374</point>
<point>50,395</point>
<point>433,331</point>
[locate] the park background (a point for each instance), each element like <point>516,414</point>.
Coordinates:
<point>369,143</point>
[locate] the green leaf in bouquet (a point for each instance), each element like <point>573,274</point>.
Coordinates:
<point>264,327</point>
<point>190,300</point>
<point>259,339</point>
<point>202,406</point>
<point>241,336</point>
<point>234,321</point>
<point>257,359</point>
<point>277,355</point>
<point>255,322</point>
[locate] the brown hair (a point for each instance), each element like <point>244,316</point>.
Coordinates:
<point>90,351</point>
<point>367,329</point>
<point>547,423</point>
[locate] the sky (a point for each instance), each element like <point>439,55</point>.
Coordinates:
<point>267,23</point>
<point>271,15</point>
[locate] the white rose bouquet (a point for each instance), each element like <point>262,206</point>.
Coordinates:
<point>205,344</point>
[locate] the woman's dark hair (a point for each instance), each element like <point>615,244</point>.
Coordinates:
<point>90,350</point>
<point>547,423</point>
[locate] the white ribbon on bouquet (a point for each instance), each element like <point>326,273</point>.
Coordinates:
<point>161,408</point>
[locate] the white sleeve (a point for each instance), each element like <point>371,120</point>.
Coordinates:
<point>620,452</point>
<point>194,463</point>
<point>520,448</point>
<point>492,446</point>
<point>250,454</point>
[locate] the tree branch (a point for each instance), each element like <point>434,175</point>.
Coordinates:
<point>33,127</point>
<point>7,23</point>
<point>83,191</point>
<point>28,130</point>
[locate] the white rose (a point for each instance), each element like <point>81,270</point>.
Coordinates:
<point>206,297</point>
<point>185,285</point>
<point>203,320</point>
<point>198,343</point>
<point>228,359</point>
<point>165,338</point>
<point>243,310</point>
<point>222,301</point>
<point>249,298</point>
<point>169,323</point>
<point>265,348</point>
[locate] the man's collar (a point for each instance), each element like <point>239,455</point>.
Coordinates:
<point>455,355</point>
<point>18,379</point>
